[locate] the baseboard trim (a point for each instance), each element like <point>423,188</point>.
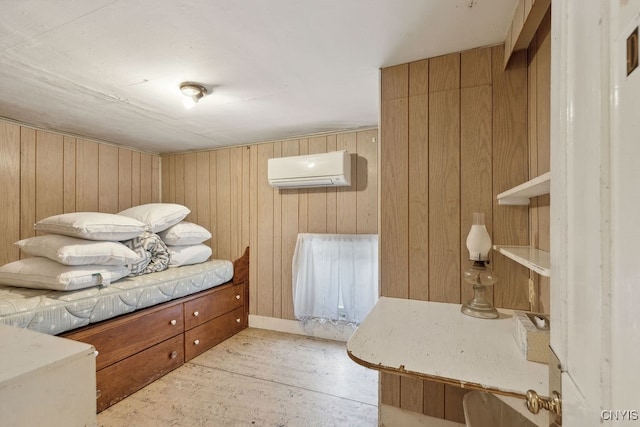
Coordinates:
<point>326,330</point>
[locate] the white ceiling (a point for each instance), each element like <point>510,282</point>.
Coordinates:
<point>110,70</point>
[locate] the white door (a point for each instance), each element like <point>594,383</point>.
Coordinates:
<point>595,197</point>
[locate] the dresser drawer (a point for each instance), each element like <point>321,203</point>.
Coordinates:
<point>214,304</point>
<point>207,335</point>
<point>119,380</point>
<point>123,337</point>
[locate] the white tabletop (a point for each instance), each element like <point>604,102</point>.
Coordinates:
<point>435,341</point>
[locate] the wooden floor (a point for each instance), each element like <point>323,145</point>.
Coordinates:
<point>257,378</point>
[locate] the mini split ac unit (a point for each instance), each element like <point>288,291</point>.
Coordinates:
<point>314,170</point>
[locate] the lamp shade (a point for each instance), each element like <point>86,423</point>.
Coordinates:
<point>478,239</point>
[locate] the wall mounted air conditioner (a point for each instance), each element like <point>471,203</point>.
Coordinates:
<point>331,169</point>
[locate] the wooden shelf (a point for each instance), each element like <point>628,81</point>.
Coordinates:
<point>521,194</point>
<point>435,341</point>
<point>532,258</point>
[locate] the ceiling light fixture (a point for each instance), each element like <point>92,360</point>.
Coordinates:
<point>193,92</point>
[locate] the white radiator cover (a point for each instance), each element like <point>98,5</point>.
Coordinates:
<point>331,169</point>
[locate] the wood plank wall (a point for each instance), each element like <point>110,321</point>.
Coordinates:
<point>228,193</point>
<point>45,173</point>
<point>539,148</point>
<point>455,133</point>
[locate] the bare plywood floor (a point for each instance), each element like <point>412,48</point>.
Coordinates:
<point>257,378</point>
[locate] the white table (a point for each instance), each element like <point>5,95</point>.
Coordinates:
<point>435,341</point>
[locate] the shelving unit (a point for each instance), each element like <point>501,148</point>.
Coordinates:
<point>521,194</point>
<point>532,258</point>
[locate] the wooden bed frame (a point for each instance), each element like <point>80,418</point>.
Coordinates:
<point>135,349</point>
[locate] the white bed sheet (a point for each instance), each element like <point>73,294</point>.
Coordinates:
<point>54,312</point>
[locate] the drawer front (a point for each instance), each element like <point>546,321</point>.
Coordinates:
<point>133,333</point>
<point>213,332</point>
<point>118,381</point>
<point>217,303</point>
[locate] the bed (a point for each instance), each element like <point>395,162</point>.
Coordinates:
<point>142,326</point>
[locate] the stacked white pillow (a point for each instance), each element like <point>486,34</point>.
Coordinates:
<point>82,250</point>
<point>185,243</point>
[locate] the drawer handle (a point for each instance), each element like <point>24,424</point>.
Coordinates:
<point>174,354</point>
<point>195,314</point>
<point>237,296</point>
<point>96,353</point>
<point>196,342</point>
<point>174,322</point>
<point>238,320</point>
<point>98,393</point>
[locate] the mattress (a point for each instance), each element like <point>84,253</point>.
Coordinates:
<point>54,312</point>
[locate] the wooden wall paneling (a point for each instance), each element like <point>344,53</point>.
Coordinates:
<point>179,179</point>
<point>475,67</point>
<point>155,179</point>
<point>533,161</point>
<point>444,73</point>
<point>172,178</point>
<point>264,243</point>
<point>49,174</point>
<point>246,180</point>
<point>87,176</point>
<point>510,166</point>
<point>394,200</point>
<point>135,178</point>
<point>190,186</point>
<point>433,393</point>
<point>69,203</point>
<point>418,167</point>
<point>213,202</point>
<point>167,174</point>
<point>475,170</point>
<point>540,89</point>
<point>147,179</point>
<point>453,410</point>
<point>331,208</point>
<point>317,197</point>
<point>346,198</point>
<point>27,182</point>
<point>394,196</point>
<point>253,229</point>
<point>10,176</point>
<point>107,178</point>
<point>303,195</point>
<point>444,195</point>
<point>394,82</point>
<point>278,285</point>
<point>125,179</point>
<point>203,201</point>
<point>289,200</point>
<point>223,210</point>
<point>390,389</point>
<point>236,202</point>
<point>367,182</point>
<point>411,394</point>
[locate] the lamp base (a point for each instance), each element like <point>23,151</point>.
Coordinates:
<point>479,309</point>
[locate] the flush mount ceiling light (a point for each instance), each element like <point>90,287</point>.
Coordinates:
<point>193,92</point>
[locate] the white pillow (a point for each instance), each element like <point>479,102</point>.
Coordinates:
<point>72,251</point>
<point>185,233</point>
<point>158,216</point>
<point>92,226</point>
<point>186,255</point>
<point>43,273</point>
